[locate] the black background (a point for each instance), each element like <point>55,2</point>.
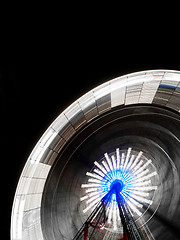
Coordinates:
<point>49,58</point>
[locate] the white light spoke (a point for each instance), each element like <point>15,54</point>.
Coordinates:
<point>89,185</point>
<point>144,194</point>
<point>91,205</point>
<point>92,199</point>
<point>127,157</point>
<point>94,180</point>
<point>135,203</point>
<point>127,177</point>
<point>136,160</point>
<point>138,165</point>
<point>118,158</point>
<point>91,190</point>
<point>122,159</point>
<point>130,162</point>
<point>141,199</point>
<point>114,162</point>
<point>140,179</point>
<point>99,172</point>
<point>100,167</point>
<point>83,198</point>
<point>108,160</point>
<point>106,166</point>
<point>134,208</point>
<point>125,194</point>
<point>149,188</point>
<point>142,173</point>
<point>143,167</point>
<point>92,194</point>
<point>139,170</point>
<point>143,183</point>
<point>94,175</point>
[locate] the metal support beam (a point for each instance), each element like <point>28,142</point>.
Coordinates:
<point>130,229</point>
<point>99,209</point>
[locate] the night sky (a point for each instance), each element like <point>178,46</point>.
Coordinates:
<point>45,67</point>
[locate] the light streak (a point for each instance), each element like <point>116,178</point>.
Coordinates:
<point>106,166</point>
<point>94,180</point>
<point>118,158</point>
<point>83,198</point>
<point>99,172</point>
<point>91,190</point>
<point>114,162</point>
<point>94,175</point>
<point>100,167</point>
<point>108,160</point>
<point>122,159</point>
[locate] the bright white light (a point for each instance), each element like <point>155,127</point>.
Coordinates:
<point>130,162</point>
<point>122,159</point>
<point>136,160</point>
<point>91,205</point>
<point>94,180</point>
<point>108,160</point>
<point>92,194</point>
<point>118,158</point>
<point>93,175</point>
<point>89,185</point>
<point>99,172</point>
<point>127,157</point>
<point>140,179</point>
<point>143,183</point>
<point>106,166</point>
<point>83,198</point>
<point>114,162</point>
<point>134,208</point>
<point>100,167</point>
<point>91,190</point>
<point>92,199</point>
<point>144,194</point>
<point>110,214</point>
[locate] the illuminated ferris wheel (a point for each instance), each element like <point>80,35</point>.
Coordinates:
<point>128,174</point>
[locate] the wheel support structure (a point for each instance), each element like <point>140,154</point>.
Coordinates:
<point>97,218</point>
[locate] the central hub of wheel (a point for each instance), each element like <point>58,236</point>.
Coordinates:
<point>117,185</point>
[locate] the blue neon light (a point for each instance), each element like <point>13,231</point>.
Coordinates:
<point>124,176</point>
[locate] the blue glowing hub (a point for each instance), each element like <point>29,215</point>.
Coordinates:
<point>117,185</point>
<point>120,180</point>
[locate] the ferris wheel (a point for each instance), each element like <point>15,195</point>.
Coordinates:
<point>108,167</point>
